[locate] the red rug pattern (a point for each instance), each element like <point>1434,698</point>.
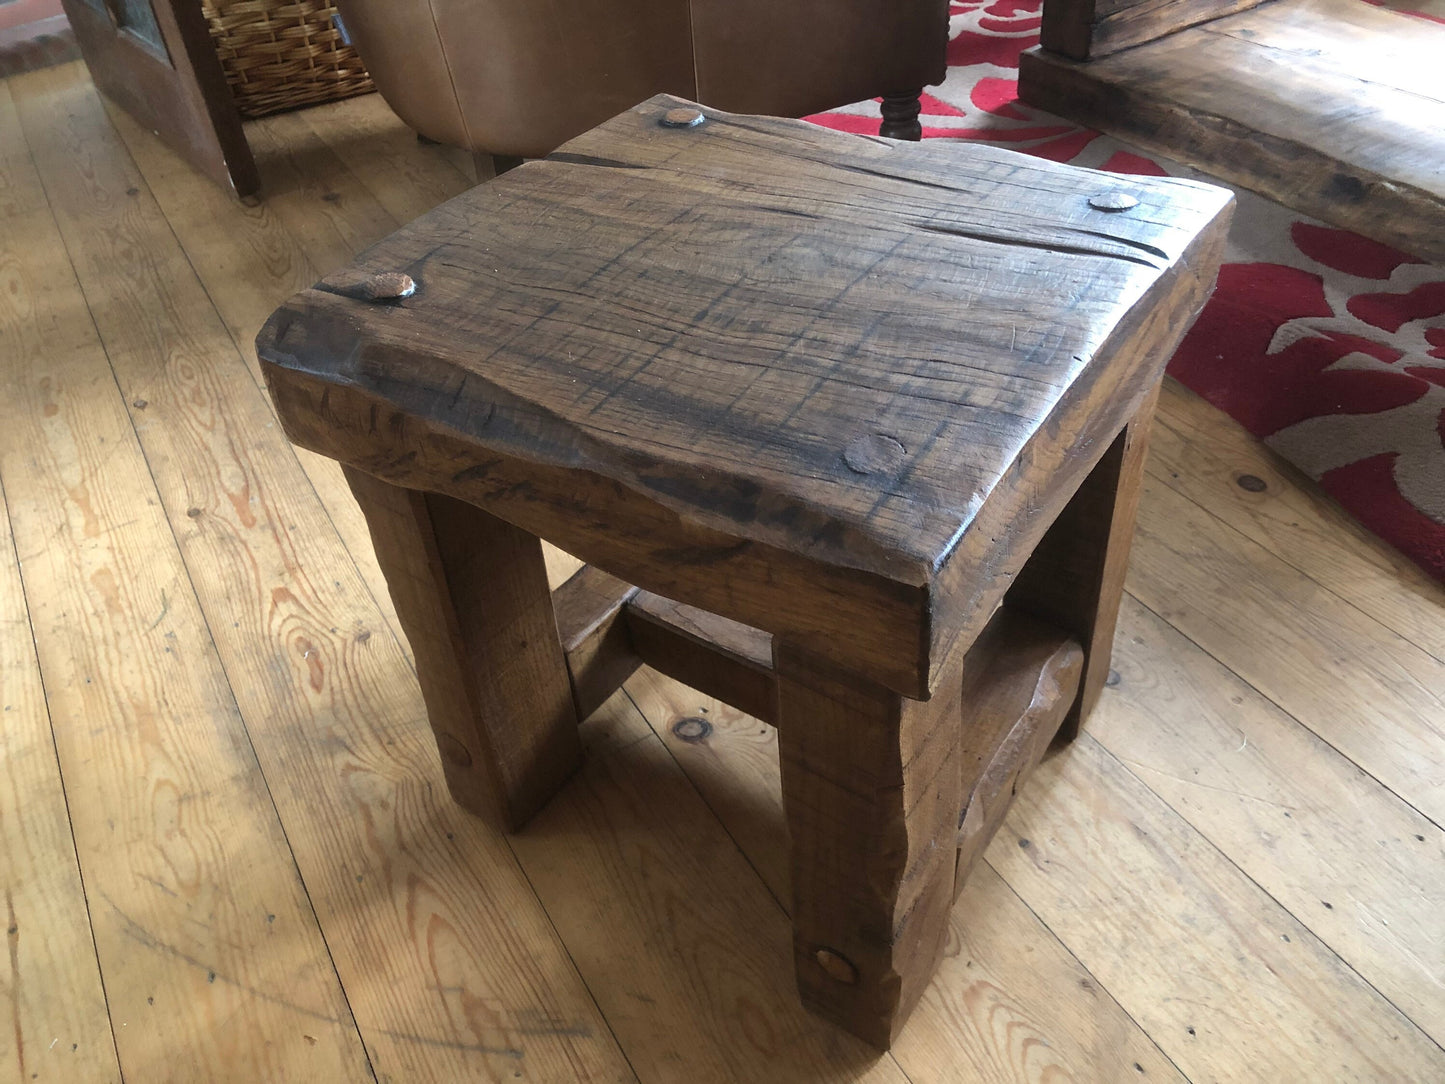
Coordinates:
<point>1327,345</point>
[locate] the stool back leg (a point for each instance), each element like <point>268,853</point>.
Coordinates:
<point>1075,577</point>
<point>472,596</point>
<point>872,790</point>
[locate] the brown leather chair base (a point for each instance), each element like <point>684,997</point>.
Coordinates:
<point>520,77</point>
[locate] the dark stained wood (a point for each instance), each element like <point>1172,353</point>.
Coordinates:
<point>872,786</point>
<point>1086,29</point>
<point>821,398</point>
<point>1019,681</point>
<point>684,329</point>
<point>595,639</point>
<point>608,628</point>
<point>712,654</point>
<point>1075,577</point>
<point>177,90</point>
<point>900,116</point>
<point>1332,107</point>
<point>1011,523</point>
<point>471,593</point>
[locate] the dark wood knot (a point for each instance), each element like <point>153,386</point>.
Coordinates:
<point>692,729</point>
<point>1252,483</point>
<point>682,117</point>
<point>838,968</point>
<point>453,751</point>
<point>381,286</point>
<point>1113,201</point>
<point>875,453</point>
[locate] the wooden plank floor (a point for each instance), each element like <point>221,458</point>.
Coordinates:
<point>225,845</point>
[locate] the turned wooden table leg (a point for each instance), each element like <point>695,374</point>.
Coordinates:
<point>1075,578</point>
<point>471,592</point>
<point>900,116</point>
<point>872,792</point>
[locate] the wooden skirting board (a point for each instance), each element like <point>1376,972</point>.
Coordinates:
<point>1332,107</point>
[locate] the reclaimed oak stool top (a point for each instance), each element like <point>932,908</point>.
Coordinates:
<point>810,381</point>
<point>863,419</point>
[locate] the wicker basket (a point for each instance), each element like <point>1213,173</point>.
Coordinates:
<point>280,54</point>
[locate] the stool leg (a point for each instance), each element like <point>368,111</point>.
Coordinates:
<point>872,790</point>
<point>471,592</point>
<point>1075,577</point>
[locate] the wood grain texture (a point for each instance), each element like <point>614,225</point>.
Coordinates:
<point>1316,656</point>
<point>471,592</point>
<point>1355,864</point>
<point>53,1019</point>
<point>1021,680</point>
<point>210,952</point>
<point>594,635</point>
<point>872,788</point>
<point>758,507</point>
<point>1089,29</point>
<point>1075,576</point>
<point>1009,1003</point>
<point>53,988</point>
<point>1225,979</point>
<point>1331,107</point>
<point>407,177</point>
<point>178,92</point>
<point>247,256</point>
<point>1202,453</point>
<point>720,657</point>
<point>684,949</point>
<point>447,958</point>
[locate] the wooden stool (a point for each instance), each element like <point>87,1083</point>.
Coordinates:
<point>864,420</point>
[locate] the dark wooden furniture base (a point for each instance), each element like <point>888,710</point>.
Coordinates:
<point>900,116</point>
<point>849,431</point>
<point>1334,108</point>
<point>508,668</point>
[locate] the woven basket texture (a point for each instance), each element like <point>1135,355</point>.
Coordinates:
<point>280,54</point>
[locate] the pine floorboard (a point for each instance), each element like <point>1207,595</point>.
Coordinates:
<point>227,852</point>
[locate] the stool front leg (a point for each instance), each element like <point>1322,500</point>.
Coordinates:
<point>872,792</point>
<point>472,596</point>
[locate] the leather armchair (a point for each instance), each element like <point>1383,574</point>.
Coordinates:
<point>517,78</point>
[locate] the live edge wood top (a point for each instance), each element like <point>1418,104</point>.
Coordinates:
<point>1332,107</point>
<point>829,386</point>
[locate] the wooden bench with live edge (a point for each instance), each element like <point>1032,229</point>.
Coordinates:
<point>1335,108</point>
<point>849,431</point>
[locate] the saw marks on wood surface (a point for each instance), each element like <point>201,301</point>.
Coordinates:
<point>251,742</point>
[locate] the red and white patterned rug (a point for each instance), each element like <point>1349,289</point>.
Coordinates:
<point>1327,345</point>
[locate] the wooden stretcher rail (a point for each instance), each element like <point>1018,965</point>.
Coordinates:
<point>609,628</point>
<point>1020,679</point>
